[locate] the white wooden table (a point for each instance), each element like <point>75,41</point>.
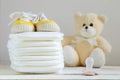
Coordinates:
<point>107,72</point>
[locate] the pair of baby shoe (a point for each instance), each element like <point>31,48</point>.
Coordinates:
<point>28,22</point>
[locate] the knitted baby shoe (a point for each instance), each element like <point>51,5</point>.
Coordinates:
<point>22,22</point>
<point>46,25</point>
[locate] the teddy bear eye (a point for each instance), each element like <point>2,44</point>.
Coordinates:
<point>91,24</point>
<point>84,24</point>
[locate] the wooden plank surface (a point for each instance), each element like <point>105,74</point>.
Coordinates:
<point>107,72</point>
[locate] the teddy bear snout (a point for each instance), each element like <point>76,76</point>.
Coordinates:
<point>86,27</point>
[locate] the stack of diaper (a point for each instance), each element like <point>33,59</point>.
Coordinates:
<point>35,50</point>
<point>38,52</point>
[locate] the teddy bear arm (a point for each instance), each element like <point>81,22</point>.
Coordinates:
<point>104,44</point>
<point>68,40</point>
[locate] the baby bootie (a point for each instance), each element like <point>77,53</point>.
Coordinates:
<point>22,22</point>
<point>46,25</point>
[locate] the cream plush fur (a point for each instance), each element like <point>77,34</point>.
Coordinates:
<point>87,42</point>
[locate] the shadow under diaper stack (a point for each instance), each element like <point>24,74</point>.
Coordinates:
<point>36,52</point>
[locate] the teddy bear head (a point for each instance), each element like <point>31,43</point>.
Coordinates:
<point>89,25</point>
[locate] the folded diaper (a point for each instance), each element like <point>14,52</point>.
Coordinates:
<point>33,43</point>
<point>37,36</point>
<point>37,63</point>
<point>35,49</point>
<point>38,69</point>
<point>36,58</point>
<point>37,54</point>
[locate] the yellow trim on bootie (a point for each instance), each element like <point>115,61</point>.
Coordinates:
<point>18,21</point>
<point>45,22</point>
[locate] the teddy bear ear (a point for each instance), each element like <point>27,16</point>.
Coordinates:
<point>103,19</point>
<point>77,16</point>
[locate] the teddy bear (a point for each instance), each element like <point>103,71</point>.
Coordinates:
<point>87,41</point>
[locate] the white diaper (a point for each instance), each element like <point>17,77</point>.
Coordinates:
<point>33,44</point>
<point>37,54</point>
<point>38,69</point>
<point>35,58</point>
<point>35,49</point>
<point>37,63</point>
<point>37,36</point>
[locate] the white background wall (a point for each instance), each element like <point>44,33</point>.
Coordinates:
<point>62,11</point>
